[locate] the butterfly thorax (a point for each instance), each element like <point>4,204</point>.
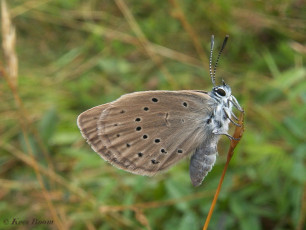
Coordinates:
<point>218,122</point>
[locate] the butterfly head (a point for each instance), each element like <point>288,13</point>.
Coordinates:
<point>223,95</point>
<point>222,91</point>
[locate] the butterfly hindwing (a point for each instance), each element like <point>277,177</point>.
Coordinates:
<point>87,123</point>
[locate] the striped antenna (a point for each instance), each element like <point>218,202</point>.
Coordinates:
<point>222,48</point>
<point>210,60</point>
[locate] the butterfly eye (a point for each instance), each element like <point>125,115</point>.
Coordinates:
<point>221,92</point>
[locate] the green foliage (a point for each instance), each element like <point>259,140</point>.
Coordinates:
<point>74,55</point>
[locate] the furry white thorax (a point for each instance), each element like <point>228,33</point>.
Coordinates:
<point>222,113</point>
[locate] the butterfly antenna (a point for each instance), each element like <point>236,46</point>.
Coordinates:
<point>210,60</point>
<point>220,52</point>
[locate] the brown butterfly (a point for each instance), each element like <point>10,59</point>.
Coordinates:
<point>148,132</point>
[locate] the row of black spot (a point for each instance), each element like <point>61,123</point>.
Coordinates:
<point>161,150</point>
<point>153,161</point>
<point>155,100</point>
<point>145,136</point>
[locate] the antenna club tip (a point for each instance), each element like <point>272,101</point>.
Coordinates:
<point>227,36</point>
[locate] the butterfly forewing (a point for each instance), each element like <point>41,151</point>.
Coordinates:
<point>147,132</point>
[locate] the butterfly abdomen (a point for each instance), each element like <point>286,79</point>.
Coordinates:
<point>203,159</point>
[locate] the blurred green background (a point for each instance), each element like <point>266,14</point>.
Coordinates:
<point>77,54</point>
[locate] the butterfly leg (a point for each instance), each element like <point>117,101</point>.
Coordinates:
<point>230,118</point>
<point>234,116</point>
<point>236,104</point>
<point>229,136</point>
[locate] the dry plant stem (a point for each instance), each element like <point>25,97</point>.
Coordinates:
<point>155,204</point>
<point>141,217</point>
<point>8,43</point>
<point>159,204</point>
<point>144,41</point>
<point>29,148</point>
<point>179,14</point>
<point>60,180</point>
<point>120,36</point>
<point>27,6</point>
<point>126,38</point>
<point>237,134</point>
<point>51,174</point>
<point>11,70</point>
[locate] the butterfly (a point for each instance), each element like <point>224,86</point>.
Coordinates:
<point>148,132</point>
